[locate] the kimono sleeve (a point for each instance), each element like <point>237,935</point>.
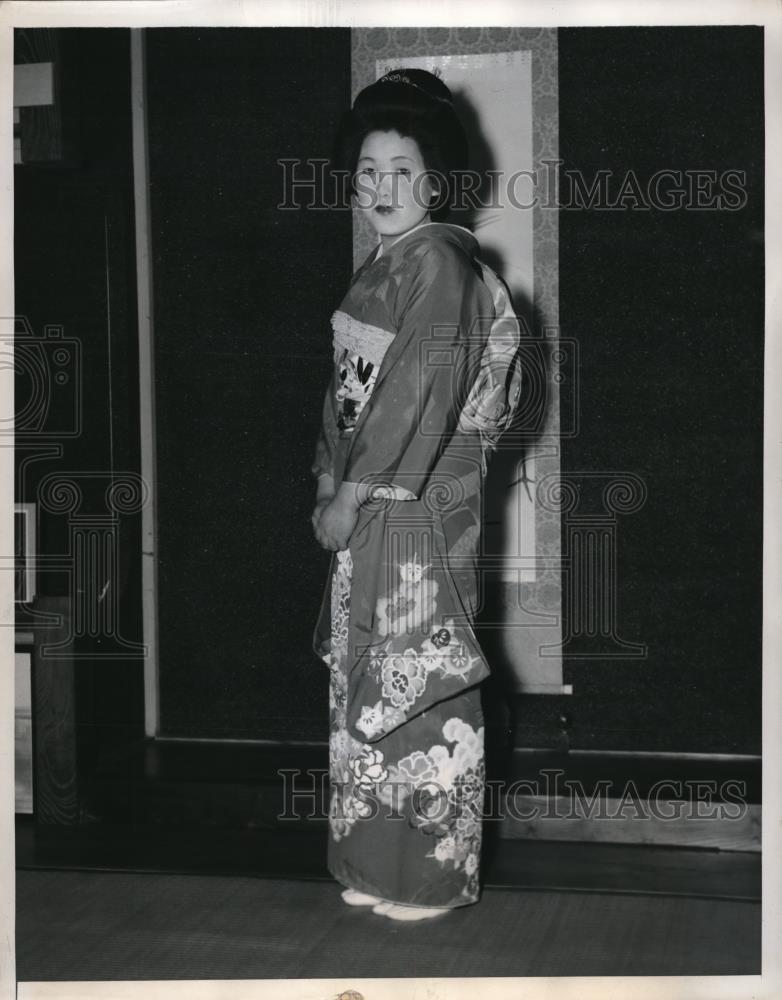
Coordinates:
<point>325,446</point>
<point>443,315</point>
<point>409,673</point>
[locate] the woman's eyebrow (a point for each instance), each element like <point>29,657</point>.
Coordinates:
<point>372,159</point>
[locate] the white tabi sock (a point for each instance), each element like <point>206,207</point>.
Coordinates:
<point>397,911</point>
<point>355,898</point>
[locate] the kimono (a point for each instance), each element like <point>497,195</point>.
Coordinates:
<point>406,733</point>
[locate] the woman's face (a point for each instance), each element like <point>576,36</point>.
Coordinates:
<point>393,189</point>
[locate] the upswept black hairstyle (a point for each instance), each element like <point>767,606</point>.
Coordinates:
<point>418,105</point>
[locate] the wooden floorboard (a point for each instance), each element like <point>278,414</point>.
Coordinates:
<point>77,925</point>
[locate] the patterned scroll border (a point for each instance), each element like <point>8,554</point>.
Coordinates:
<point>543,596</point>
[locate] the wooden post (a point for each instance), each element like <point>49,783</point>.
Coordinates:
<point>55,777</point>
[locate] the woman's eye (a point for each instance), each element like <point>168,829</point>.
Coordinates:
<point>405,171</point>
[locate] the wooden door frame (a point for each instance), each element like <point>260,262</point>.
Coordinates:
<point>144,292</point>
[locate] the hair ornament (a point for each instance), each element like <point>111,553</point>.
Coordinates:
<point>398,76</point>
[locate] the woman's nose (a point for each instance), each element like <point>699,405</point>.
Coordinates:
<point>384,188</point>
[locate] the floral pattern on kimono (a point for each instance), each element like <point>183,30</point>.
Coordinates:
<point>436,790</point>
<point>406,725</point>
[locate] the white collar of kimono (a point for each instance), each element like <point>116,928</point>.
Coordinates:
<point>416,228</point>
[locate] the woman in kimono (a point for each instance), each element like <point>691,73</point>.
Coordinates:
<point>399,504</point>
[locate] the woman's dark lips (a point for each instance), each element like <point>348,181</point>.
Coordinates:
<point>384,209</point>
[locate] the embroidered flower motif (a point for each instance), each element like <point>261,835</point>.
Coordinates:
<point>447,766</point>
<point>355,778</point>
<point>338,690</point>
<point>468,752</point>
<point>432,812</point>
<point>404,679</point>
<point>467,826</point>
<point>447,654</point>
<point>445,849</point>
<point>377,657</point>
<point>459,660</point>
<point>467,786</point>
<point>368,768</point>
<point>392,717</point>
<point>448,797</point>
<point>441,638</point>
<point>430,657</point>
<point>342,748</point>
<point>394,791</point>
<point>338,753</point>
<point>457,731</point>
<point>460,854</point>
<point>370,721</point>
<point>411,605</point>
<point>361,807</point>
<point>340,599</point>
<point>431,661</point>
<point>342,815</point>
<point>418,767</point>
<point>449,850</point>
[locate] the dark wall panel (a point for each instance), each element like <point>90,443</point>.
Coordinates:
<point>667,307</point>
<point>243,294</point>
<point>74,268</point>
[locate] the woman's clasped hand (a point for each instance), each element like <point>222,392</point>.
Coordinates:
<point>336,513</point>
<point>334,521</point>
